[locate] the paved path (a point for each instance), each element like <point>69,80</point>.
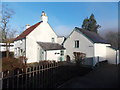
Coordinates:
<point>106,76</point>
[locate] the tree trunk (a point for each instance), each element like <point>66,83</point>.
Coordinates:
<point>7,50</point>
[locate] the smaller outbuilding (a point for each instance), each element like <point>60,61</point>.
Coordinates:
<point>92,44</point>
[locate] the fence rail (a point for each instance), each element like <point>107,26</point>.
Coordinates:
<point>40,76</point>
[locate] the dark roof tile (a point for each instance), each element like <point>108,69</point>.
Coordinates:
<point>96,38</point>
<point>50,46</point>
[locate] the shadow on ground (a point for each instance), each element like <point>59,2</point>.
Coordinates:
<point>104,76</point>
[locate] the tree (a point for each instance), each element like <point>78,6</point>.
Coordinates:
<point>4,23</point>
<point>6,31</point>
<point>112,38</point>
<point>90,24</point>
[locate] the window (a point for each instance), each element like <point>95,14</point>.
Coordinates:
<point>21,52</point>
<point>61,52</point>
<point>77,44</point>
<point>53,40</point>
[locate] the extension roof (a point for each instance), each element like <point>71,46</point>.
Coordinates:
<point>50,46</point>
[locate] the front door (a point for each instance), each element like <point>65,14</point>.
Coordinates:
<point>41,54</point>
<point>62,55</point>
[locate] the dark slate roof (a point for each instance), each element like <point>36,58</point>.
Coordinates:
<point>113,47</point>
<point>96,38</point>
<point>50,46</point>
<point>27,31</point>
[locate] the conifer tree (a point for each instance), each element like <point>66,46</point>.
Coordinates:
<point>90,24</point>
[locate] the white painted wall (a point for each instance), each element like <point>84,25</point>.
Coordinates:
<point>60,40</point>
<point>111,55</point>
<point>49,55</point>
<point>31,50</point>
<point>52,56</point>
<point>100,50</point>
<point>86,46</point>
<point>42,33</point>
<point>118,59</point>
<point>3,48</point>
<point>19,44</point>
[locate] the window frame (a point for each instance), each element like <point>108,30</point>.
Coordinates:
<point>53,40</point>
<point>77,44</point>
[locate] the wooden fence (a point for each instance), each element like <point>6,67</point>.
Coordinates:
<point>40,76</point>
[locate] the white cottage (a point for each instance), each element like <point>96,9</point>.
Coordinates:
<point>39,42</point>
<point>91,44</point>
<point>3,47</point>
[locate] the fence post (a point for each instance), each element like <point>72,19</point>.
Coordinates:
<point>22,78</point>
<point>18,79</point>
<point>33,77</point>
<point>38,76</point>
<point>52,74</point>
<point>93,62</point>
<point>1,80</point>
<point>98,60</point>
<point>26,77</point>
<point>43,76</point>
<point>13,79</point>
<point>7,79</point>
<point>29,77</point>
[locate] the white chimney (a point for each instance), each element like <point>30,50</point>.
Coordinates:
<point>27,26</point>
<point>44,17</point>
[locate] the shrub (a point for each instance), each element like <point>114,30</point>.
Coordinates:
<point>23,59</point>
<point>32,64</point>
<point>11,64</point>
<point>79,57</point>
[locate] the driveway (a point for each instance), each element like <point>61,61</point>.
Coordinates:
<point>104,76</point>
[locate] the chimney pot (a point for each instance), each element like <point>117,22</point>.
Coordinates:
<point>27,26</point>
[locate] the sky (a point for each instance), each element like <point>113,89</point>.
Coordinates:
<point>64,16</point>
<point>60,0</point>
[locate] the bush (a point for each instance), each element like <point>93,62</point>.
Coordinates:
<point>11,64</point>
<point>32,64</point>
<point>79,57</point>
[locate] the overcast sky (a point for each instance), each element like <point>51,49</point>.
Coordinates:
<point>64,16</point>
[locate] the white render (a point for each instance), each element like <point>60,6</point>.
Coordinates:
<point>3,47</point>
<point>98,51</point>
<point>19,45</point>
<point>54,55</point>
<point>111,55</point>
<point>42,33</point>
<point>29,47</point>
<point>60,39</point>
<point>101,51</point>
<point>118,59</point>
<point>86,46</point>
